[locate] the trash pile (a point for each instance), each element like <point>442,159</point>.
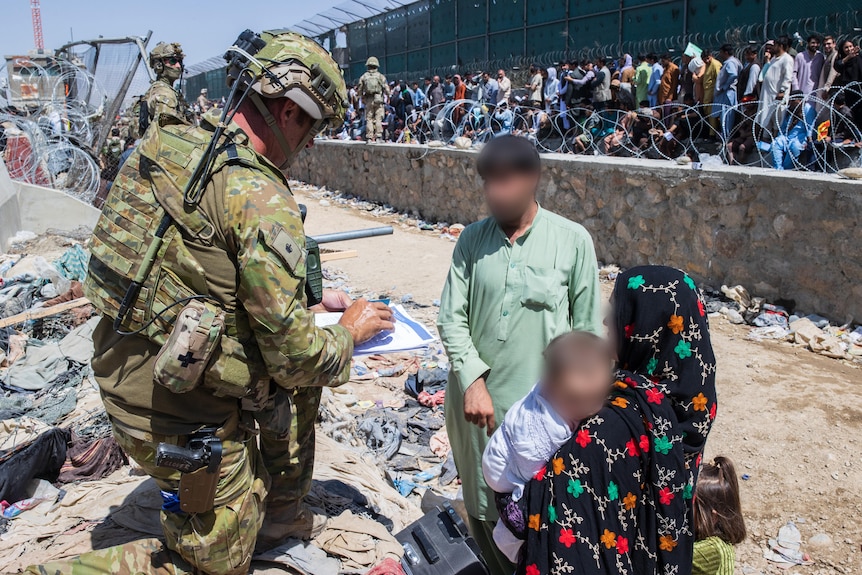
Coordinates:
<point>777,322</point>
<point>326,197</point>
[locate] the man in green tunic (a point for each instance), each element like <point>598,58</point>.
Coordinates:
<point>518,279</point>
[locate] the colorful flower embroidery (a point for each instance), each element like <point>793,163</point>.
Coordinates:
<point>644,443</point>
<point>533,570</point>
<point>713,410</point>
<point>636,281</point>
<point>665,496</point>
<point>666,543</point>
<point>609,538</point>
<point>613,491</point>
<point>683,349</point>
<point>622,545</point>
<point>540,475</point>
<point>575,488</point>
<point>687,492</point>
<point>552,513</point>
<point>621,402</point>
<point>567,537</point>
<point>629,330</point>
<point>689,282</point>
<point>583,438</point>
<point>620,385</point>
<point>701,308</point>
<point>632,448</point>
<point>699,402</point>
<point>654,396</point>
<point>630,501</point>
<point>676,323</point>
<point>559,465</point>
<point>651,365</point>
<point>534,522</point>
<point>663,445</point>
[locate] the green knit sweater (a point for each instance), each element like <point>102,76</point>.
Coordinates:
<point>713,556</point>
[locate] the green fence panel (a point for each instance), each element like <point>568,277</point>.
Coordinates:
<point>648,22</point>
<point>356,70</point>
<point>542,11</point>
<point>418,25</point>
<point>547,38</point>
<point>709,16</point>
<point>443,55</point>
<point>395,64</point>
<point>506,44</point>
<point>578,8</point>
<point>376,28</point>
<point>472,18</point>
<point>417,60</point>
<point>443,14</point>
<point>471,50</point>
<point>592,31</point>
<point>396,31</point>
<point>505,15</point>
<point>356,41</point>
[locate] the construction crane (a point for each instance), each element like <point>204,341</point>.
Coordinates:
<point>36,12</point>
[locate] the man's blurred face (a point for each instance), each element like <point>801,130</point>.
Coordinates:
<point>510,195</point>
<point>813,45</point>
<point>500,73</point>
<point>828,45</point>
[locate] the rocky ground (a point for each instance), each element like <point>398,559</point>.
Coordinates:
<point>790,419</point>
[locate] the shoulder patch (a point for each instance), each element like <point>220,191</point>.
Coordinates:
<point>283,244</point>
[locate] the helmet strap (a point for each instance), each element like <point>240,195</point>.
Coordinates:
<point>273,125</point>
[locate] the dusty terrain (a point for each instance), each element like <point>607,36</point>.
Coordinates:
<point>790,419</point>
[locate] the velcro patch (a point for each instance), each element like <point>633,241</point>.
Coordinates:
<point>285,245</point>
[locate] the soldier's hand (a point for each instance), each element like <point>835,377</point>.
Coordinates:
<point>479,407</point>
<point>333,300</point>
<point>364,320</point>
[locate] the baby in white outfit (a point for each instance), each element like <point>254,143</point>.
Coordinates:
<point>575,384</point>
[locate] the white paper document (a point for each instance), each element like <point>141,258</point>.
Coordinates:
<point>408,334</point>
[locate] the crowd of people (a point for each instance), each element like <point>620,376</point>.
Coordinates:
<point>776,106</point>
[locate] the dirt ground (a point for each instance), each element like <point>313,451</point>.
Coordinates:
<point>790,419</point>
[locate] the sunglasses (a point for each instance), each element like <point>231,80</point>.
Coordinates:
<point>173,61</point>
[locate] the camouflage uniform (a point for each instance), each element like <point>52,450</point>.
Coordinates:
<point>161,98</point>
<point>372,88</point>
<point>243,247</point>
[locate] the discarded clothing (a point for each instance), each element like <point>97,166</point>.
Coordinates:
<point>41,459</point>
<point>18,432</point>
<point>43,362</point>
<point>73,263</point>
<point>439,444</point>
<point>429,400</point>
<point>389,566</point>
<point>302,556</point>
<point>360,543</point>
<point>76,291</point>
<point>90,460</point>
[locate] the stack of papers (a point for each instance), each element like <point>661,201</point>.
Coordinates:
<point>408,334</point>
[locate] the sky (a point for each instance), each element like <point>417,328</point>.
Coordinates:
<point>204,28</point>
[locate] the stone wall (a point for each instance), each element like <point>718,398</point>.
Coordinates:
<point>784,235</point>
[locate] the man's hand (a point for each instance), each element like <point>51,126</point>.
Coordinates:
<point>478,406</point>
<point>333,300</point>
<point>364,320</point>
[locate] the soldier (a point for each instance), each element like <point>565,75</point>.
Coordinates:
<point>203,101</point>
<point>372,89</point>
<point>166,61</point>
<point>206,340</point>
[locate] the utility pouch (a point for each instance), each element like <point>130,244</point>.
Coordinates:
<point>185,356</point>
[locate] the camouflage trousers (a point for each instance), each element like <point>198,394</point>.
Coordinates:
<point>254,483</point>
<point>373,120</point>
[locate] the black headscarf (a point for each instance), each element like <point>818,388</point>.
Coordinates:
<point>616,498</point>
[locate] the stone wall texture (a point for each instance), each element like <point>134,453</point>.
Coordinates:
<point>787,235</point>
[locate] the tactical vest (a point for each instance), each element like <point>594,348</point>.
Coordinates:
<point>373,83</point>
<point>151,183</point>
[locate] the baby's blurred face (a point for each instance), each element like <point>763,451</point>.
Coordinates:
<point>577,379</point>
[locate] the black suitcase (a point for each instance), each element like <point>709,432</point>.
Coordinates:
<point>439,544</point>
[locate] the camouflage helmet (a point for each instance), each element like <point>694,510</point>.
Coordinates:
<point>290,65</point>
<point>372,62</point>
<point>166,50</point>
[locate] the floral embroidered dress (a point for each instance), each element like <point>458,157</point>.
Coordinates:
<point>616,499</point>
